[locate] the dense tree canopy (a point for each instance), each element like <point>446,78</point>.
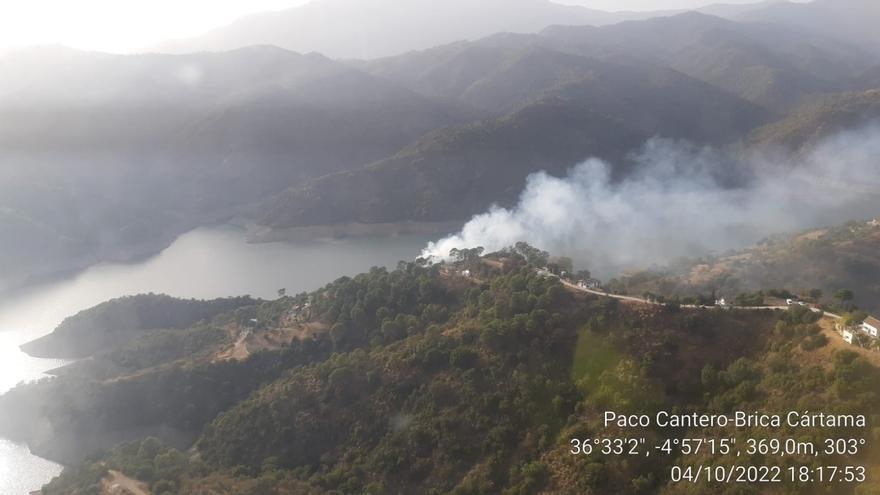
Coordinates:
<point>427,381</point>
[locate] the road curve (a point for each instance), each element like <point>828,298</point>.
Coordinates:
<point>654,303</point>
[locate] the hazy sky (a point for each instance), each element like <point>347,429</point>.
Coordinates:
<point>118,25</point>
<point>126,25</point>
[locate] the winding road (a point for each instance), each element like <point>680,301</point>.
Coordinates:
<point>654,303</point>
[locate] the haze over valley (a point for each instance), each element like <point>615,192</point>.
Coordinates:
<point>92,143</point>
<point>553,178</point>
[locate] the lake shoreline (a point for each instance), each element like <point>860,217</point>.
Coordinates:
<point>254,233</point>
<point>70,268</point>
<point>29,483</point>
<point>263,234</point>
<point>204,263</point>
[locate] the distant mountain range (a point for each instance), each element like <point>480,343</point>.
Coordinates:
<point>108,157</point>
<point>853,21</point>
<point>606,111</point>
<point>378,28</point>
<point>359,29</point>
<point>721,80</point>
<point>771,65</point>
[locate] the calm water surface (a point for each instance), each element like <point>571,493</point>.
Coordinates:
<point>205,263</point>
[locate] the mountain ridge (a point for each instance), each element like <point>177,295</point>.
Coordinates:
<point>201,135</point>
<point>387,28</point>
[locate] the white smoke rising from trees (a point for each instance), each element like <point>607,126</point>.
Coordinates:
<point>681,201</point>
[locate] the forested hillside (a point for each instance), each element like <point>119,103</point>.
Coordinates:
<point>456,172</point>
<point>114,323</point>
<point>425,380</point>
<point>818,119</point>
<point>827,259</point>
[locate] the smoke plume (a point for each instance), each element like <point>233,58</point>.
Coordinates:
<point>681,201</point>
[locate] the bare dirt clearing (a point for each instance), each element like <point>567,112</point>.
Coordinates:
<point>116,483</point>
<point>249,341</point>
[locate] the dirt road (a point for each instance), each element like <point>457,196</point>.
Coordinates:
<point>654,303</point>
<point>239,351</point>
<point>117,483</point>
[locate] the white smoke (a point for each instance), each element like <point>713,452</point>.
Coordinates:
<point>680,201</point>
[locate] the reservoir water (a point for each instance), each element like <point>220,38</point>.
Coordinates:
<point>205,263</point>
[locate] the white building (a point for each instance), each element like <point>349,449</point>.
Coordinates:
<point>589,284</point>
<point>847,336</point>
<point>871,326</point>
